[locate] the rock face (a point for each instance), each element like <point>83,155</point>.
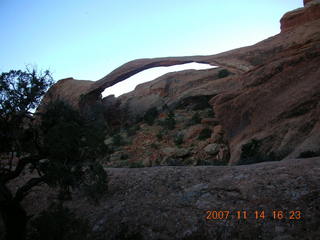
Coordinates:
<point>272,94</point>
<point>172,88</point>
<point>279,101</point>
<point>179,202</point>
<point>68,89</point>
<point>307,1</point>
<point>309,13</point>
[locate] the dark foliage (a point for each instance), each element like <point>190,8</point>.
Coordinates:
<point>20,93</point>
<point>71,144</point>
<point>118,140</point>
<point>209,162</point>
<point>204,134</point>
<point>251,153</point>
<point>150,116</point>
<point>178,139</point>
<point>61,144</point>
<point>169,122</point>
<point>309,154</point>
<point>195,119</point>
<point>223,73</point>
<point>135,165</point>
<point>160,136</point>
<point>133,130</point>
<point>195,102</point>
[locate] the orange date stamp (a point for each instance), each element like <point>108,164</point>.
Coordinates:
<point>258,215</point>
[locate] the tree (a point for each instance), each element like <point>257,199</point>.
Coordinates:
<point>20,93</point>
<point>60,148</point>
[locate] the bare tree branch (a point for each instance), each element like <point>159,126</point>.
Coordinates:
<point>23,191</point>
<point>20,167</point>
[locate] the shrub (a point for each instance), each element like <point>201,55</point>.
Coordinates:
<point>178,140</point>
<point>136,165</point>
<point>210,113</point>
<point>251,153</point>
<point>159,136</point>
<point>95,183</point>
<point>250,149</point>
<point>309,154</point>
<point>72,143</point>
<point>204,134</point>
<point>201,102</point>
<point>133,130</point>
<point>209,162</point>
<point>150,116</point>
<point>154,146</point>
<point>174,162</point>
<point>169,123</point>
<point>118,140</point>
<point>223,73</point>
<point>195,119</point>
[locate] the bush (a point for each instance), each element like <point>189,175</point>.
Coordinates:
<point>124,156</point>
<point>169,123</point>
<point>159,136</point>
<point>204,134</point>
<point>58,222</point>
<point>250,149</point>
<point>135,165</point>
<point>195,119</point>
<point>210,113</point>
<point>118,140</point>
<point>309,154</point>
<point>209,162</point>
<point>154,146</point>
<point>133,130</point>
<point>251,153</point>
<point>178,140</point>
<point>223,73</point>
<point>72,143</point>
<point>150,116</point>
<point>95,182</point>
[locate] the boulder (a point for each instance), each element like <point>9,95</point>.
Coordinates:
<point>212,149</point>
<point>175,152</point>
<point>210,121</point>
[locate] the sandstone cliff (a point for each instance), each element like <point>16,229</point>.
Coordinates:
<point>272,95</point>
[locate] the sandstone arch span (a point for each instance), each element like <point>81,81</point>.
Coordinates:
<point>82,92</point>
<point>133,67</point>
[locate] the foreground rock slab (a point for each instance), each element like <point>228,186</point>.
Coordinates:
<point>175,202</point>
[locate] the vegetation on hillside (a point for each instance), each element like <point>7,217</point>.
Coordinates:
<point>58,146</point>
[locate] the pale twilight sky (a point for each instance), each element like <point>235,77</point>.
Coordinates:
<point>87,39</point>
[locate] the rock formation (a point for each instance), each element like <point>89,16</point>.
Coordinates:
<point>309,13</point>
<point>272,95</point>
<point>175,202</point>
<point>268,108</point>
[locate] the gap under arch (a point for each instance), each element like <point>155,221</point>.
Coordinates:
<point>147,75</point>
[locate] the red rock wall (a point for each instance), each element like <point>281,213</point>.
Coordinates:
<point>300,16</point>
<point>306,1</point>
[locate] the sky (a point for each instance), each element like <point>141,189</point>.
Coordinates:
<point>87,39</point>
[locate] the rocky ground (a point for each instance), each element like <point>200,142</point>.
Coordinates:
<point>187,135</point>
<point>173,202</point>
